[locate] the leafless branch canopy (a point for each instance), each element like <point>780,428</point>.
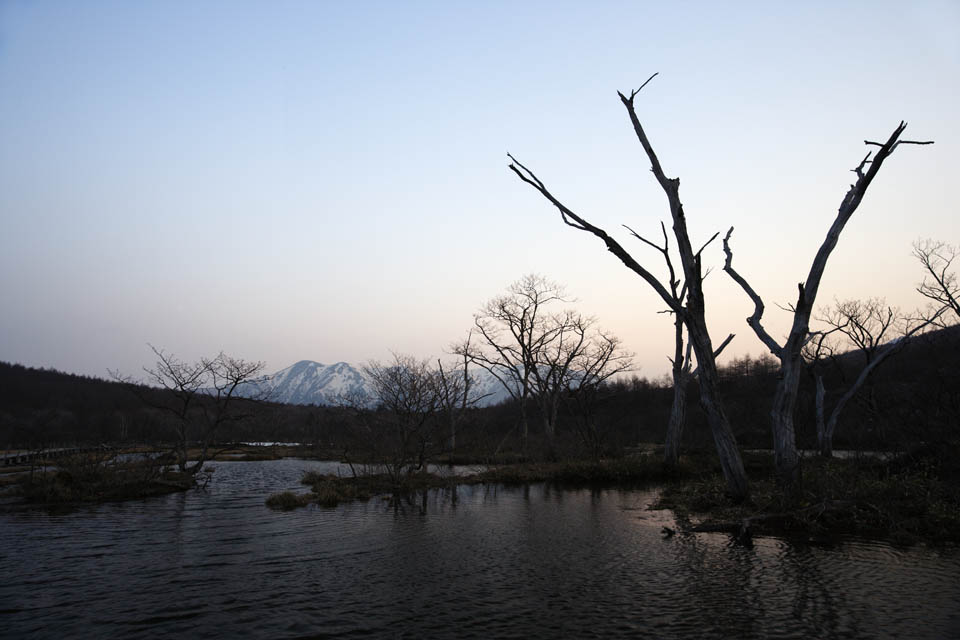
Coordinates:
<point>536,352</point>
<point>939,280</point>
<point>870,327</point>
<point>201,397</point>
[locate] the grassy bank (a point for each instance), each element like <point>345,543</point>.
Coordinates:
<point>96,477</point>
<point>330,490</point>
<point>910,499</point>
<point>101,477</point>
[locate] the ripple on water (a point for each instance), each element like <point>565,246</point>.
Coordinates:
<point>500,562</point>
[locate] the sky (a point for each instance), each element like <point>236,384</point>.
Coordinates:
<point>328,181</point>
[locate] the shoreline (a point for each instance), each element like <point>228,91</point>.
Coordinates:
<point>903,500</point>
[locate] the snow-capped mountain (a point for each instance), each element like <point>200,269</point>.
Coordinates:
<point>309,382</point>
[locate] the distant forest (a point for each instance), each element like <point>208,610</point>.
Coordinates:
<point>913,398</point>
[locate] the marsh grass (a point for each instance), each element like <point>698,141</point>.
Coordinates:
<point>287,500</point>
<point>632,471</point>
<point>906,500</point>
<point>100,477</point>
<point>330,490</point>
<point>911,499</point>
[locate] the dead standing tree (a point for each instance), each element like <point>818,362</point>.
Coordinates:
<point>790,353</point>
<point>692,313</point>
<point>682,360</point>
<point>867,326</point>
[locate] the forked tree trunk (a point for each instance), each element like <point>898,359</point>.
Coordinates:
<point>786,458</point>
<point>723,438</point>
<point>692,314</point>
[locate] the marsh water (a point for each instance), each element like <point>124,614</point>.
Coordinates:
<point>495,562</point>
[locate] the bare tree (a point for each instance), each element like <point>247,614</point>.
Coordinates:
<point>786,456</point>
<point>457,390</point>
<point>939,282</point>
<point>692,313</point>
<point>403,431</point>
<point>872,329</point>
<point>202,397</point>
<point>516,332</point>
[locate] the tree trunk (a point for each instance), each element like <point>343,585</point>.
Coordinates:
<point>180,448</point>
<point>678,412</point>
<point>453,435</point>
<point>549,420</point>
<point>723,438</point>
<point>678,416</point>
<point>786,458</point>
<point>824,438</point>
<point>201,460</point>
<point>524,426</point>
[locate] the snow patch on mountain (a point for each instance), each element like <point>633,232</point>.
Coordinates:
<point>309,382</point>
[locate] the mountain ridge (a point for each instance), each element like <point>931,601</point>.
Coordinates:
<point>309,382</point>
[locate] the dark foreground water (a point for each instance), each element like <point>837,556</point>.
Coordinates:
<point>500,562</point>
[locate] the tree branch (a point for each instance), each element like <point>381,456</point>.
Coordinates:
<point>754,320</point>
<point>575,221</point>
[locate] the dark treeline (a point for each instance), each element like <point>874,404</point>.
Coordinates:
<point>913,399</point>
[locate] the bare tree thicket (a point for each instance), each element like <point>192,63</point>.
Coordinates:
<point>602,359</point>
<point>418,410</point>
<point>402,432</point>
<point>540,354</point>
<point>869,328</point>
<point>939,281</point>
<point>515,332</point>
<point>691,312</point>
<point>203,397</point>
<point>790,353</point>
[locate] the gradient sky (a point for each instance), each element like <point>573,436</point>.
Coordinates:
<point>328,181</point>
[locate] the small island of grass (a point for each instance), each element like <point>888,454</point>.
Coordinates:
<point>906,499</point>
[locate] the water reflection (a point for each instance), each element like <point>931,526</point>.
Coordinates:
<point>494,562</point>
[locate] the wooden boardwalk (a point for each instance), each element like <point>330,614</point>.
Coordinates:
<point>25,457</point>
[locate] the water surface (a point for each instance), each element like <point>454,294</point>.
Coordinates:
<point>497,562</point>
